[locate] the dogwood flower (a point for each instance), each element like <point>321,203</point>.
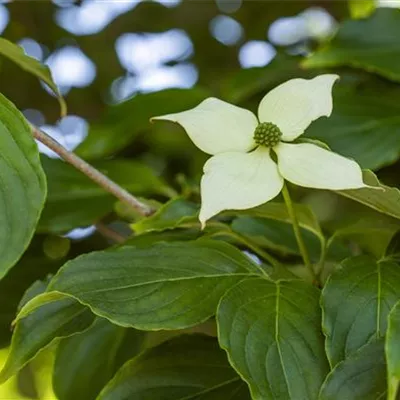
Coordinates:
<point>241,173</point>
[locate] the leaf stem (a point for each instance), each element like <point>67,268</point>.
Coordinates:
<point>297,232</point>
<point>321,262</point>
<point>91,172</point>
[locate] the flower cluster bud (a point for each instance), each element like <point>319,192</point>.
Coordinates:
<point>267,134</point>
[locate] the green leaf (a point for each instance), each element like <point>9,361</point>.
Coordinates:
<point>22,185</point>
<point>173,214</point>
<point>278,212</point>
<point>361,8</point>
<point>55,319</point>
<point>74,200</point>
<point>125,121</point>
<point>393,249</point>
<point>385,199</point>
<point>166,286</point>
<point>361,376</point>
<point>183,368</point>
<point>356,301</point>
<point>32,266</point>
<point>181,213</point>
<point>271,332</point>
<point>364,125</point>
<point>372,234</point>
<point>132,343</point>
<point>392,351</point>
<point>377,52</point>
<point>92,365</point>
<point>16,54</point>
<point>275,235</point>
<point>176,235</point>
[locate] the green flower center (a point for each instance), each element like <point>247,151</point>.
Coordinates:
<point>267,134</point>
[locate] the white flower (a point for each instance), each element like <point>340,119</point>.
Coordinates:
<point>241,174</point>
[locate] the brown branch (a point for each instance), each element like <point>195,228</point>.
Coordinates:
<point>91,172</point>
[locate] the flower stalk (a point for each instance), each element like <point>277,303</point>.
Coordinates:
<point>297,232</point>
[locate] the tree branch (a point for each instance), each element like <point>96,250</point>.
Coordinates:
<point>91,172</point>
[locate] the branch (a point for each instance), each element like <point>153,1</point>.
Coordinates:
<point>91,172</point>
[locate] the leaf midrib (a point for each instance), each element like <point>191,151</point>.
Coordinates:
<point>54,287</point>
<point>277,307</point>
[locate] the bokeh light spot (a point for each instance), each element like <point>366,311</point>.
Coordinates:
<point>169,3</point>
<point>256,53</point>
<point>35,117</point>
<point>183,75</point>
<point>4,18</point>
<point>92,16</point>
<point>228,6</point>
<point>69,132</point>
<point>70,67</point>
<point>287,31</point>
<point>138,52</point>
<point>226,30</point>
<point>32,48</point>
<point>81,233</point>
<point>313,23</point>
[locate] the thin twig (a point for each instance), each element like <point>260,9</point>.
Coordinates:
<point>91,172</point>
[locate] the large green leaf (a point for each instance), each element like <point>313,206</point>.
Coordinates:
<point>186,367</point>
<point>361,376</point>
<point>393,249</point>
<point>22,185</point>
<point>392,350</point>
<point>271,332</point>
<point>123,122</point>
<point>132,343</point>
<point>32,266</point>
<point>380,197</point>
<point>166,286</point>
<point>74,200</point>
<point>182,213</point>
<point>92,365</point>
<point>372,233</point>
<point>356,301</point>
<point>55,319</point>
<point>16,54</point>
<point>176,235</point>
<point>278,211</point>
<point>364,125</point>
<point>378,51</point>
<point>275,235</point>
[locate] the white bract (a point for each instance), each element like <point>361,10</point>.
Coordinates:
<point>241,174</point>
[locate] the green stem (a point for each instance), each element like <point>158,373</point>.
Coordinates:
<point>297,232</point>
<point>321,263</point>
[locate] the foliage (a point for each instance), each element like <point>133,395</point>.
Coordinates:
<point>152,306</point>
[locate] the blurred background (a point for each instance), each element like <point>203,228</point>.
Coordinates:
<point>117,63</point>
<point>102,52</point>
